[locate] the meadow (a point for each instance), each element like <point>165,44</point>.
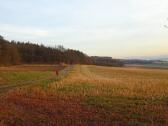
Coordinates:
<point>87,95</point>
<point>23,75</point>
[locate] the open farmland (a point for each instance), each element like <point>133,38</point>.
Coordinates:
<point>91,96</point>
<point>22,75</point>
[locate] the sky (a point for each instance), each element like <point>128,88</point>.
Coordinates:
<point>116,28</point>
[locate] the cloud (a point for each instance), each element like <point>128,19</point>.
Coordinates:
<point>25,32</point>
<point>101,27</point>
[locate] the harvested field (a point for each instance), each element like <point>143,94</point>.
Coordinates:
<point>91,96</point>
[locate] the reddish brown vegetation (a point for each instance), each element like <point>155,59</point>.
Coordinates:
<point>38,108</point>
<point>91,96</point>
<point>21,109</point>
<point>2,124</point>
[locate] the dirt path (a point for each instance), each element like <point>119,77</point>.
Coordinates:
<point>6,87</point>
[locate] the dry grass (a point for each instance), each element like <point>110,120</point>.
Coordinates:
<point>92,96</point>
<point>122,81</point>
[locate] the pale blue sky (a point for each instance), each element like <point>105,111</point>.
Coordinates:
<point>117,28</point>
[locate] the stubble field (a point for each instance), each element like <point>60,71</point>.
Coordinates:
<point>90,96</point>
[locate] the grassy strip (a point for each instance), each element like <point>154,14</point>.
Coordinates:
<point>22,77</point>
<point>19,79</point>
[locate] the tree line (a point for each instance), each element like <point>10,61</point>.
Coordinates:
<point>106,61</point>
<point>15,52</point>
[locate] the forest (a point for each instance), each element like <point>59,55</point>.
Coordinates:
<point>15,52</point>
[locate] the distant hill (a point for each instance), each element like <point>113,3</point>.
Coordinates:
<point>160,62</point>
<point>163,58</point>
<point>159,57</point>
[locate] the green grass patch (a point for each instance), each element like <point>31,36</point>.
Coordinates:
<point>17,77</point>
<point>32,78</point>
<point>13,79</point>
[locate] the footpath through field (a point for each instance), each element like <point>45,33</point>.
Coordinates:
<point>51,78</point>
